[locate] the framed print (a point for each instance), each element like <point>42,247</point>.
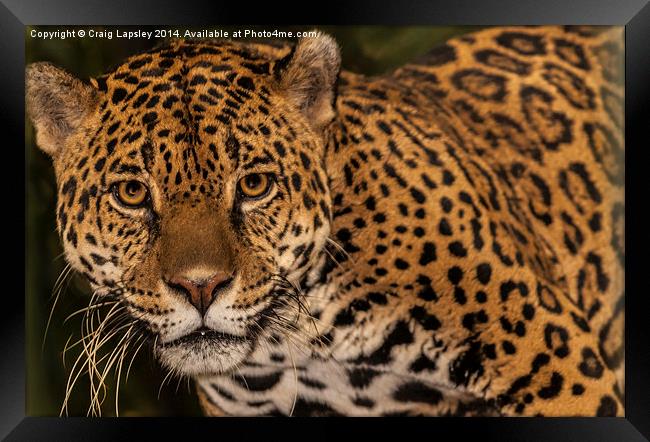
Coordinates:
<point>413,211</point>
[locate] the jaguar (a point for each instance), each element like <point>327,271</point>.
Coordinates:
<point>444,239</point>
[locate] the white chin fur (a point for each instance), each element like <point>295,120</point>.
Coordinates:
<point>203,358</point>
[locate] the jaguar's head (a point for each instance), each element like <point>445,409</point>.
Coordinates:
<point>191,186</point>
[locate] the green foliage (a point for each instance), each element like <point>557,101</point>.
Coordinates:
<point>369,49</point>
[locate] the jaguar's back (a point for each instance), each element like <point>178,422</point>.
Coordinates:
<point>495,167</point>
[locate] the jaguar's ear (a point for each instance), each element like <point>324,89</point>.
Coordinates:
<point>307,76</point>
<point>57,103</point>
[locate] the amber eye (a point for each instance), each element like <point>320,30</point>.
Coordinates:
<point>254,185</point>
<point>131,193</point>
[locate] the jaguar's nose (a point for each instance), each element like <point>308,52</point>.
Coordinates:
<point>201,292</point>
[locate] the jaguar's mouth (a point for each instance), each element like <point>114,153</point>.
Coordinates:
<point>204,335</point>
<point>215,343</point>
<point>204,352</point>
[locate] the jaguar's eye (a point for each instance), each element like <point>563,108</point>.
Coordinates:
<point>255,185</point>
<point>131,193</point>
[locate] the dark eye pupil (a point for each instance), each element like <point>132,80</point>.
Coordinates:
<point>133,188</point>
<point>253,181</point>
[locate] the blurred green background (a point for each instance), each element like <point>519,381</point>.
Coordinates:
<point>368,50</point>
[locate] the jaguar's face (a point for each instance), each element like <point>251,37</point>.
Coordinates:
<point>191,188</point>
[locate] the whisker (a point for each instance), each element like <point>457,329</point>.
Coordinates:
<point>56,293</point>
<point>128,370</point>
<point>88,308</point>
<point>331,241</point>
<point>169,374</point>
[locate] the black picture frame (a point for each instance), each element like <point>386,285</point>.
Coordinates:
<point>16,14</point>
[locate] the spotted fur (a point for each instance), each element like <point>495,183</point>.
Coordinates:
<point>444,239</point>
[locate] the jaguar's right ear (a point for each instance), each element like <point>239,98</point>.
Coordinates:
<point>57,104</point>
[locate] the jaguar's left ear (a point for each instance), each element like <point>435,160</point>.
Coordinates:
<point>307,76</point>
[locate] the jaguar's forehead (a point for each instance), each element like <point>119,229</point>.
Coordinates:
<point>192,81</point>
<point>207,106</point>
<point>177,59</point>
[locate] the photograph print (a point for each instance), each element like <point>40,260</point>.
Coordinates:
<point>325,221</point>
